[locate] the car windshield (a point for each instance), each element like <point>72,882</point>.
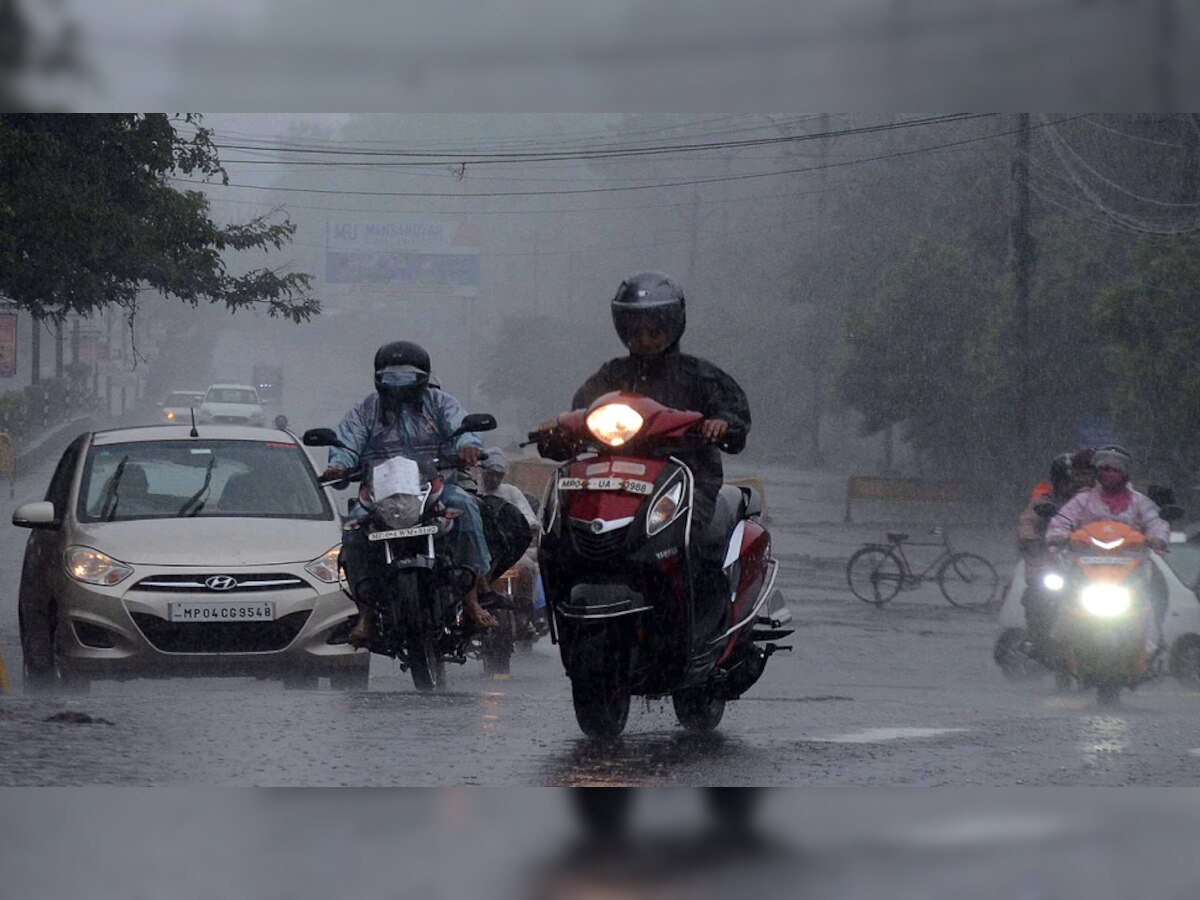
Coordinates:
<point>174,479</point>
<point>181,398</point>
<point>231,395</point>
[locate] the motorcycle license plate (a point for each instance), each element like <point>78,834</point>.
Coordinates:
<point>631,485</point>
<point>416,531</point>
<point>261,611</point>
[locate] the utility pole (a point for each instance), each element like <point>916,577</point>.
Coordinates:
<point>35,349</point>
<point>1023,251</point>
<point>1189,186</point>
<point>816,349</point>
<point>58,349</point>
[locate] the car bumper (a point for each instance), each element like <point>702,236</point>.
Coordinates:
<point>126,630</point>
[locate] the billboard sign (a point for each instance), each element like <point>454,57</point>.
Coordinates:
<point>422,255</point>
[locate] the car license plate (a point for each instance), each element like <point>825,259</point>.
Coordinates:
<point>260,611</point>
<point>402,533</point>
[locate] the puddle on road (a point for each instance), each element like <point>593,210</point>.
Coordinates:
<point>879,735</point>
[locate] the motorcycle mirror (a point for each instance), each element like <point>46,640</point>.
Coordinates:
<point>321,437</point>
<point>477,422</point>
<point>1046,510</point>
<point>1171,513</point>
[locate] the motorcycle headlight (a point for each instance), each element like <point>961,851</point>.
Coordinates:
<point>325,567</point>
<point>614,423</point>
<point>664,509</point>
<point>1052,581</point>
<point>93,567</point>
<point>1105,600</point>
<point>400,510</point>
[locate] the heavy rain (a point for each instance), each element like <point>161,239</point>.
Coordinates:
<point>599,450</point>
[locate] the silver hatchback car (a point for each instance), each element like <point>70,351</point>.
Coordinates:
<point>159,552</point>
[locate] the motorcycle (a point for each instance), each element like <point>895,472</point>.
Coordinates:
<point>420,623</point>
<point>1105,614</point>
<point>619,572</point>
<point>518,586</point>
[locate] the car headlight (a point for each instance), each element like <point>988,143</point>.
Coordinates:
<point>1052,581</point>
<point>614,423</point>
<point>170,416</point>
<point>1105,600</point>
<point>93,567</point>
<point>664,509</point>
<point>325,567</point>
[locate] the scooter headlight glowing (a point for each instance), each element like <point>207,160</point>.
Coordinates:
<point>614,423</point>
<point>1052,581</point>
<point>1105,600</point>
<point>664,509</point>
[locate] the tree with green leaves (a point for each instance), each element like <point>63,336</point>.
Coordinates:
<point>1152,324</point>
<point>908,349</point>
<point>89,219</point>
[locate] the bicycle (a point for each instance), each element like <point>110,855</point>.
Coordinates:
<point>878,572</point>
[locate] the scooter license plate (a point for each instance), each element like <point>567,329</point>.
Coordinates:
<point>416,531</point>
<point>631,485</point>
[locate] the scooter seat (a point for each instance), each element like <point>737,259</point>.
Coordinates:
<point>896,537</point>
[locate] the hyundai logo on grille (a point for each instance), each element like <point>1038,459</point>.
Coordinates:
<point>220,582</point>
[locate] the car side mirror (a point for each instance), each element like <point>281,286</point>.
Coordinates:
<point>39,514</point>
<point>476,422</point>
<point>322,437</point>
<point>1046,510</point>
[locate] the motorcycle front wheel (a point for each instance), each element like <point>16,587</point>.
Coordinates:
<point>424,656</point>
<point>426,663</point>
<point>600,682</point>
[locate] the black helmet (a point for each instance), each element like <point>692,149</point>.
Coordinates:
<point>649,300</point>
<point>401,370</point>
<point>281,422</point>
<point>1060,473</point>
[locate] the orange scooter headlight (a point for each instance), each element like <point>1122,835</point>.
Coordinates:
<point>614,423</point>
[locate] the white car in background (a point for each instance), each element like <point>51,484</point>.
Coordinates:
<point>231,404</point>
<point>177,407</point>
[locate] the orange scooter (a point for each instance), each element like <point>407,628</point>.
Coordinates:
<point>1106,613</point>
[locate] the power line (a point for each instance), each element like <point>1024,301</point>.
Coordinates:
<point>607,190</point>
<point>441,158</point>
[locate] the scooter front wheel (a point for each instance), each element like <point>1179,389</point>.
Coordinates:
<point>600,683</point>
<point>697,709</point>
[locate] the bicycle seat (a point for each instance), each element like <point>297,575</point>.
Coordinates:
<point>896,537</point>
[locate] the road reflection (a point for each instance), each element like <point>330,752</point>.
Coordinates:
<point>635,760</point>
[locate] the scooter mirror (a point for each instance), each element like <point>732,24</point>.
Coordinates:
<point>1046,510</point>
<point>1171,513</point>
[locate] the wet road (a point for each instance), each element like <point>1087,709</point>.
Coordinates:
<point>906,694</point>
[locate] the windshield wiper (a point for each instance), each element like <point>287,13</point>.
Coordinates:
<point>111,498</point>
<point>194,500</point>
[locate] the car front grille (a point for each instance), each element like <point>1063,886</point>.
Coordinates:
<point>189,584</point>
<point>231,420</point>
<point>221,637</point>
<point>597,547</point>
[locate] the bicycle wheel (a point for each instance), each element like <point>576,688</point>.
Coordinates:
<point>875,574</point>
<point>968,580</point>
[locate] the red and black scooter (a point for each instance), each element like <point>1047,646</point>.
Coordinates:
<point>617,568</point>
